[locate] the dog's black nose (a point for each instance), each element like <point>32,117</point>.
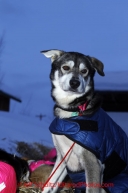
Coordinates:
<point>74,83</point>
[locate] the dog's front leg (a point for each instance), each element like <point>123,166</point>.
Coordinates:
<point>93,172</point>
<point>58,176</point>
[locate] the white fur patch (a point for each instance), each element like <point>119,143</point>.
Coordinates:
<point>81,88</point>
<point>87,88</point>
<point>62,114</point>
<point>62,93</point>
<point>63,98</point>
<point>70,63</point>
<point>52,54</point>
<point>64,81</point>
<point>73,159</point>
<point>102,166</point>
<point>26,177</point>
<point>82,66</point>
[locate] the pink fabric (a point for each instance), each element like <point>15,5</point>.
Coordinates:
<point>83,107</point>
<point>46,161</point>
<point>8,182</point>
<point>36,164</point>
<point>51,154</point>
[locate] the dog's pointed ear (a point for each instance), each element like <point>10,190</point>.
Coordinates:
<point>98,66</point>
<point>53,54</point>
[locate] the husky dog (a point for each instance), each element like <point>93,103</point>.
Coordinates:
<point>72,81</point>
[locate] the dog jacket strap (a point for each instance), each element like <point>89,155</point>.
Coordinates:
<point>72,126</point>
<point>86,125</point>
<point>64,127</point>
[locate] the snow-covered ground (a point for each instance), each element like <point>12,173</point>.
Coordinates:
<point>17,127</point>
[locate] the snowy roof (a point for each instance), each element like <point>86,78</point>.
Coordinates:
<point>9,92</point>
<point>114,81</point>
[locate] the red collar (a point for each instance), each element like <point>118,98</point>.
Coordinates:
<point>79,110</point>
<point>82,108</point>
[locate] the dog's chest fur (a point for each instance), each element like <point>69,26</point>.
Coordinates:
<point>73,160</point>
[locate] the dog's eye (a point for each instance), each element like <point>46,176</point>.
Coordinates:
<point>84,71</point>
<point>66,68</point>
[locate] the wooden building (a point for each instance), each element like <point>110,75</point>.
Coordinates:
<point>6,94</point>
<point>114,101</point>
<point>113,88</point>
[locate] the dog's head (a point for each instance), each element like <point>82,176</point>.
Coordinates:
<point>72,75</point>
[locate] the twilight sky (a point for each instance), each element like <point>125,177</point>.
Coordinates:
<point>94,27</point>
<point>97,28</point>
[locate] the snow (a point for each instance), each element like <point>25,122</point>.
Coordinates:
<point>16,127</point>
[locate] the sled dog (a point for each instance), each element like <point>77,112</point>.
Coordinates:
<point>99,154</point>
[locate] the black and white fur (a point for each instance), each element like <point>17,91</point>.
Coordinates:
<point>72,85</point>
<point>20,166</point>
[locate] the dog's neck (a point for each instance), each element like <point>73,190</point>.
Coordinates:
<point>72,110</point>
<point>78,108</point>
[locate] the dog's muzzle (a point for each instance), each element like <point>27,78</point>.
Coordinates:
<point>74,83</point>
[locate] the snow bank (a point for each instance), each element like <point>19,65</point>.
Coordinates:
<point>15,127</point>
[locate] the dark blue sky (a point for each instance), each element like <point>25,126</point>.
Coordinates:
<point>97,28</point>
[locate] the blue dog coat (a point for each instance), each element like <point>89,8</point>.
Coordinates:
<point>102,136</point>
